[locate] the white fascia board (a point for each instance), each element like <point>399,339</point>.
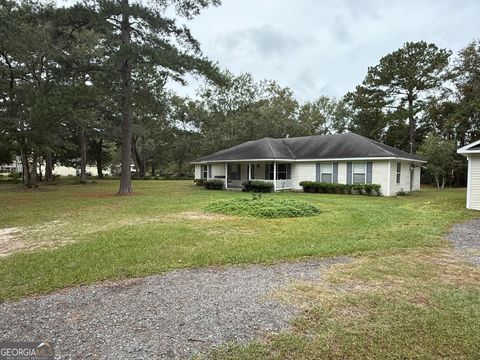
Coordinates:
<point>469,181</point>
<point>465,149</point>
<point>311,160</point>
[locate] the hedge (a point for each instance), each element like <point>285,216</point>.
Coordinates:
<point>333,188</point>
<point>213,184</point>
<point>257,186</point>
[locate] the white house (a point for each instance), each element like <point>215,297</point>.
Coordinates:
<point>341,158</point>
<point>472,152</point>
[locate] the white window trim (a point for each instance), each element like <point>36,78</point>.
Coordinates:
<point>204,171</point>
<point>326,172</point>
<point>358,173</point>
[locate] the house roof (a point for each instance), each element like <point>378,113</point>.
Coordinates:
<point>337,146</point>
<point>472,148</point>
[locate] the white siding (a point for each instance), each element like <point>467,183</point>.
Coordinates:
<point>218,170</point>
<point>302,171</point>
<point>198,171</point>
<point>305,171</point>
<point>416,178</point>
<point>404,177</point>
<point>380,175</point>
<point>474,182</point>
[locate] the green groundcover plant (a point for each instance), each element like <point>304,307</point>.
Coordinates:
<point>263,207</point>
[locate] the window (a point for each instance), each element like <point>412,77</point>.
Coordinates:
<point>399,172</point>
<point>234,172</point>
<point>359,173</point>
<point>204,171</point>
<point>283,171</point>
<point>326,172</point>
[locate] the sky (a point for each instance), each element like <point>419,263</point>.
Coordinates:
<point>320,47</point>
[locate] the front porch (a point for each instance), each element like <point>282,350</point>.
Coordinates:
<point>235,174</point>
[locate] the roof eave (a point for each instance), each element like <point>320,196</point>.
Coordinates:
<point>311,160</point>
<point>465,149</point>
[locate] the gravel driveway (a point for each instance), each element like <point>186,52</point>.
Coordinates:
<point>170,316</point>
<point>466,239</point>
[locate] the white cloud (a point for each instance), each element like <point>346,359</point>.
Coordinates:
<point>321,47</point>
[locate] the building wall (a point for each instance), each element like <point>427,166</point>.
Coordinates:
<point>473,191</point>
<point>302,171</point>
<point>416,177</point>
<point>306,171</point>
<point>404,177</point>
<point>71,171</point>
<point>198,171</point>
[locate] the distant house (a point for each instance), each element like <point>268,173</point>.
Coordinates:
<point>341,158</point>
<point>472,153</point>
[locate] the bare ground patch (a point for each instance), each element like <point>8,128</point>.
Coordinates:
<point>57,233</point>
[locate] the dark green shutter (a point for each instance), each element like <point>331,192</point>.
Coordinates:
<point>239,171</point>
<point>349,172</point>
<point>369,172</point>
<point>209,171</point>
<point>317,173</point>
<point>267,173</point>
<point>289,171</point>
<point>335,173</point>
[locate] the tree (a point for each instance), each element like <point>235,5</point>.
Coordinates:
<point>323,116</point>
<point>466,74</point>
<point>138,34</point>
<point>440,156</point>
<point>403,80</point>
<point>27,82</point>
<point>368,117</point>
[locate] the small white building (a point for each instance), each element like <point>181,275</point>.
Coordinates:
<point>340,158</point>
<point>472,153</point>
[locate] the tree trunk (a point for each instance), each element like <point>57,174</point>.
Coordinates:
<point>411,125</point>
<point>33,172</point>
<point>154,161</point>
<point>48,167</point>
<point>127,124</point>
<point>98,157</point>
<point>27,181</point>
<point>39,173</point>
<point>83,157</point>
<point>438,182</point>
<point>443,182</point>
<point>139,162</point>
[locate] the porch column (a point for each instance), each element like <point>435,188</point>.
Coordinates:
<point>226,176</point>
<point>274,176</point>
<point>249,171</point>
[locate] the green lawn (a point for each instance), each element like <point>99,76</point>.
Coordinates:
<point>406,295</point>
<point>87,234</point>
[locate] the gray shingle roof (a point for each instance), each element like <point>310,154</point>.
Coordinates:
<point>337,146</point>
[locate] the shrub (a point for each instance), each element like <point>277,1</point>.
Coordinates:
<point>199,182</point>
<point>257,186</point>
<point>213,184</point>
<point>263,208</point>
<point>334,188</point>
<point>405,193</point>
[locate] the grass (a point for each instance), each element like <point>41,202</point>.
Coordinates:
<point>405,295</point>
<point>86,234</point>
<point>418,305</point>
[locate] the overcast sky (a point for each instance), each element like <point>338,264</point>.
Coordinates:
<point>320,47</point>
